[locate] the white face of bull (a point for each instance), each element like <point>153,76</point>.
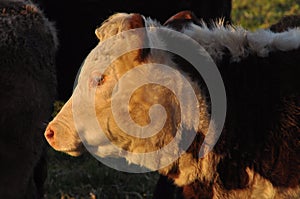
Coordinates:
<point>99,99</point>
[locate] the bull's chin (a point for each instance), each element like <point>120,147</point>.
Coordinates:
<point>76,151</point>
<point>73,153</point>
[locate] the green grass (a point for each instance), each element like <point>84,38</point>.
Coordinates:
<point>262,13</point>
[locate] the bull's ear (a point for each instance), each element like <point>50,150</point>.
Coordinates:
<point>137,21</point>
<point>181,19</point>
<point>122,22</point>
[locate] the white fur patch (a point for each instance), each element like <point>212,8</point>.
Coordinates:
<point>241,42</point>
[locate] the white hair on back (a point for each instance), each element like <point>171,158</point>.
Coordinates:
<point>215,40</point>
<point>241,42</point>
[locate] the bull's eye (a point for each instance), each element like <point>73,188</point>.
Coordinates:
<point>100,80</point>
<point>97,80</point>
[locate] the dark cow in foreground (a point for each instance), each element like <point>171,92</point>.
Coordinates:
<point>257,154</point>
<point>27,91</point>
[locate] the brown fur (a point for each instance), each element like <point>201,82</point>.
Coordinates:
<point>181,19</point>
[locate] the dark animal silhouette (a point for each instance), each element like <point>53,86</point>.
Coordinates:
<point>28,45</point>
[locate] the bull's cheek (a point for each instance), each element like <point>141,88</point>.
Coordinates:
<point>129,143</point>
<point>74,154</point>
<point>139,112</point>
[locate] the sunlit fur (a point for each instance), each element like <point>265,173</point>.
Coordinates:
<point>238,43</point>
<point>241,42</point>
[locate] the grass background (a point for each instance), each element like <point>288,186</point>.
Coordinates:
<point>254,14</point>
<point>85,177</point>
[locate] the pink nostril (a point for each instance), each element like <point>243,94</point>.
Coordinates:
<point>49,134</point>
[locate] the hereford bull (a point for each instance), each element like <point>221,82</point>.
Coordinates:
<point>257,153</point>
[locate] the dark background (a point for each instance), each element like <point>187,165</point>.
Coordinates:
<point>77,20</point>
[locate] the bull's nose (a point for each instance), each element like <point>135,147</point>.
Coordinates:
<point>50,134</point>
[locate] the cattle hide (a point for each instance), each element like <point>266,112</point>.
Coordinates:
<point>256,155</point>
<point>262,128</point>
